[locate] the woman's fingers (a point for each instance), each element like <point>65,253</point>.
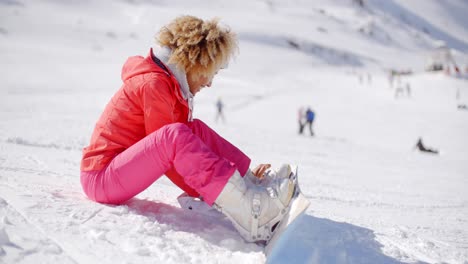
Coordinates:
<point>260,170</point>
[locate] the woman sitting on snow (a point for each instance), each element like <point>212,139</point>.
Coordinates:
<point>146,131</point>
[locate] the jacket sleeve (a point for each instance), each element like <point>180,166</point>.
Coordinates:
<point>158,105</point>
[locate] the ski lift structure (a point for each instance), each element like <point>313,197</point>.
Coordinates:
<point>442,59</point>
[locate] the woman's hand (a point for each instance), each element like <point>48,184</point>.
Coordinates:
<point>260,170</point>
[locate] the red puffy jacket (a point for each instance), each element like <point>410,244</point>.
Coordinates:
<point>149,99</point>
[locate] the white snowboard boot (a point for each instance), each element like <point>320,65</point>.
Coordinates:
<point>255,211</point>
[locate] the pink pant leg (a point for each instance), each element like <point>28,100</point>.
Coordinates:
<point>135,169</point>
<point>220,146</point>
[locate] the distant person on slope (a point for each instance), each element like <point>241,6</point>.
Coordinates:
<point>310,117</point>
<point>219,110</point>
<point>420,146</point>
<point>301,119</point>
<point>147,130</point>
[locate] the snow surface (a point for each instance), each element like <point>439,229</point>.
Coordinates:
<point>374,199</point>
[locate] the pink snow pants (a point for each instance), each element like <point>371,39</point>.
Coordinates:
<point>204,159</point>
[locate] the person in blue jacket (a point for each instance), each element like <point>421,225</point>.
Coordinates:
<point>310,116</point>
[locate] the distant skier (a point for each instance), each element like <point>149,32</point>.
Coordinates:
<point>420,146</point>
<point>219,110</point>
<point>147,131</point>
<point>310,117</point>
<point>399,91</point>
<point>408,89</point>
<point>369,78</point>
<point>391,78</point>
<point>301,119</point>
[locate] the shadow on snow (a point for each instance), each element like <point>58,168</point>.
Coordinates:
<point>310,240</point>
<point>320,240</point>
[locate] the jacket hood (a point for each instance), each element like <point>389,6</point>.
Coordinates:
<point>139,65</point>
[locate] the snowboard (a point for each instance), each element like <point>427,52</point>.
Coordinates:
<point>297,207</point>
<point>197,205</point>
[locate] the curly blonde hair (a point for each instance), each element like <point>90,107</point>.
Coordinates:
<point>198,46</point>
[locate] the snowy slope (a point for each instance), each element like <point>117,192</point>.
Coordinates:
<point>374,199</point>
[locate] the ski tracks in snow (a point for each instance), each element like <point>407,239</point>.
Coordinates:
<point>16,230</point>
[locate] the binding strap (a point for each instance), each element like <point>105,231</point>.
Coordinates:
<point>256,209</point>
